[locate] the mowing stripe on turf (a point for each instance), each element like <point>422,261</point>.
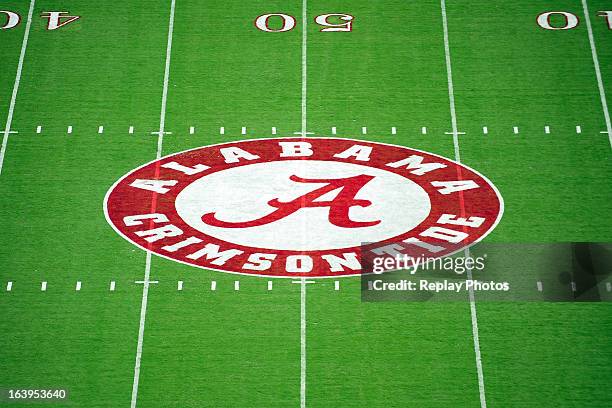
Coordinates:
<point>602,91</point>
<point>9,119</point>
<point>451,98</point>
<point>160,141</point>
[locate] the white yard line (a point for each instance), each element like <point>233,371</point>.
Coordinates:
<point>147,274</point>
<point>9,119</point>
<point>304,133</point>
<point>304,64</point>
<point>303,343</point>
<point>602,91</point>
<point>451,97</point>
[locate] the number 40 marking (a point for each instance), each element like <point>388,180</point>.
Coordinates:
<point>345,24</point>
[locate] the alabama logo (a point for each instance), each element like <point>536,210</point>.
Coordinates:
<point>301,207</point>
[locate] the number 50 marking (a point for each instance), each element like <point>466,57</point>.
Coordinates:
<point>344,22</point>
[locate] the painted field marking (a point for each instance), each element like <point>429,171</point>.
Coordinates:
<point>270,285</point>
<point>131,130</point>
<point>337,285</point>
<point>303,281</point>
<point>160,133</point>
<point>43,286</point>
<point>160,142</point>
<point>423,130</point>
<point>179,285</point>
<point>334,130</point>
<point>273,130</point>
<point>304,134</point>
<point>394,130</point>
<point>213,285</point>
<point>600,85</point>
<point>303,341</point>
<point>236,285</point>
<point>112,286</point>
<point>191,130</point>
<point>539,285</point>
<point>222,130</point>
<point>38,129</point>
<point>578,129</point>
<point>454,133</point>
<point>9,119</point>
<point>451,98</point>
<point>364,130</point>
<point>78,286</point>
<point>304,127</point>
<point>100,130</point>
<point>547,130</point>
<point>9,286</point>
<point>485,130</point>
<point>243,130</point>
<point>69,130</point>
<point>604,132</point>
<point>515,129</point>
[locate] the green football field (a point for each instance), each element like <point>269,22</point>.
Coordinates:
<point>477,82</point>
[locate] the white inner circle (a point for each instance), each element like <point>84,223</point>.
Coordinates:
<point>242,194</point>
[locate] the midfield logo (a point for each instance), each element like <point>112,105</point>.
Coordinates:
<point>301,207</point>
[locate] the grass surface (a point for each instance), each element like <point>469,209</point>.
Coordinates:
<point>242,349</point>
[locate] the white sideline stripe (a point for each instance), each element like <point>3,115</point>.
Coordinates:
<point>179,285</point>
<point>578,129</point>
<point>43,286</point>
<point>424,130</point>
<point>221,130</point>
<point>78,286</point>
<point>485,130</point>
<point>9,286</point>
<point>394,130</point>
<point>334,130</point>
<point>112,286</point>
<point>451,97</point>
<point>38,129</point>
<point>602,92</point>
<point>273,130</point>
<point>100,129</point>
<point>515,129</point>
<point>160,141</point>
<point>547,130</point>
<point>539,285</point>
<point>270,285</point>
<point>69,131</point>
<point>337,285</point>
<point>236,285</point>
<point>9,119</point>
<point>213,285</point>
<point>191,130</point>
<point>364,130</point>
<point>131,130</point>
<point>243,130</point>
